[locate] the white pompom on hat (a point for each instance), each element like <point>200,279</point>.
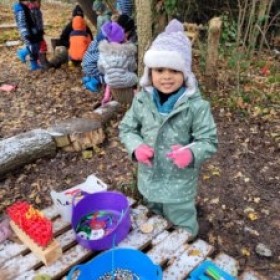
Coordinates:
<point>171,49</point>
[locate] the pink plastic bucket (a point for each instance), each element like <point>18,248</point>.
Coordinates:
<point>111,201</point>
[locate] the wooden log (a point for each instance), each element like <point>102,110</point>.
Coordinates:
<point>25,148</point>
<point>78,134</point>
<point>108,111</point>
<point>214,33</point>
<point>144,19</point>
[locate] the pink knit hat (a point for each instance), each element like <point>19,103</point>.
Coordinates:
<point>171,49</point>
<point>113,32</point>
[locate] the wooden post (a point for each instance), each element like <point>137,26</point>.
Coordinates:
<point>144,30</point>
<point>214,32</point>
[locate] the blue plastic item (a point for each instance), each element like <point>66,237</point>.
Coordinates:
<point>118,258</point>
<point>200,273</point>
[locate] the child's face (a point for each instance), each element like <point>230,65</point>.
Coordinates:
<point>99,13</point>
<point>167,80</point>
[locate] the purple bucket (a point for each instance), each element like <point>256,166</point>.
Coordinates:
<point>110,201</point>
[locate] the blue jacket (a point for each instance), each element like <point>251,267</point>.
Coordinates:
<point>26,26</point>
<point>90,59</point>
<point>37,17</point>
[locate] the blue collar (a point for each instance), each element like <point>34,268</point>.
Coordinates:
<point>169,104</point>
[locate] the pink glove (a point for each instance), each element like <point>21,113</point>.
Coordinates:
<point>181,157</point>
<point>143,153</point>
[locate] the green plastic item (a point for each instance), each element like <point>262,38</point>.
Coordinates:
<point>42,277</point>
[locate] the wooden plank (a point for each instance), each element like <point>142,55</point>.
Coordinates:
<point>227,263</point>
<point>160,237</point>
<point>188,260</point>
<point>138,240</point>
<point>73,256</point>
<point>138,215</point>
<point>27,275</point>
<point>167,248</point>
<point>77,253</point>
<point>10,249</point>
<point>13,269</point>
<point>249,274</point>
<point>30,261</point>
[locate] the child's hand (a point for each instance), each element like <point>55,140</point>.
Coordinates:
<point>143,153</point>
<point>181,157</point>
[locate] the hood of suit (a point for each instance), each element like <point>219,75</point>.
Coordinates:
<point>78,23</point>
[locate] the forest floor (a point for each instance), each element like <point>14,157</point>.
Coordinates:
<point>239,189</point>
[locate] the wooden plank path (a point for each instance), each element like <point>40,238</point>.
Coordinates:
<point>165,245</point>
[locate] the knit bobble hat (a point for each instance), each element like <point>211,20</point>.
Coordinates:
<point>126,22</point>
<point>171,49</point>
<point>98,6</point>
<point>113,32</point>
<point>78,11</point>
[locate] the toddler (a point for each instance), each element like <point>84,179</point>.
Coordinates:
<point>169,129</point>
<point>29,32</point>
<point>116,61</point>
<point>79,41</point>
<point>103,14</point>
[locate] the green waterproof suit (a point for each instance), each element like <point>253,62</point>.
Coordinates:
<point>190,121</point>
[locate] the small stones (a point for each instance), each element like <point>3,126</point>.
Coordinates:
<point>146,228</point>
<point>263,250</point>
<point>119,274</point>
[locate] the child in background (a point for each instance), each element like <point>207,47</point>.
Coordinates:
<point>64,38</point>
<point>79,41</point>
<point>103,14</point>
<point>29,32</point>
<point>93,77</point>
<point>127,23</point>
<point>37,17</point>
<point>116,60</point>
<point>125,7</point>
<point>35,8</point>
<point>169,129</point>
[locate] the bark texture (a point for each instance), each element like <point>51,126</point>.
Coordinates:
<point>25,148</point>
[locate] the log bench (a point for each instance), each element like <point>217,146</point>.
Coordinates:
<point>165,245</point>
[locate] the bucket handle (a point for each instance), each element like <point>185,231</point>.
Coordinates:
<point>72,270</point>
<point>158,271</point>
<point>75,196</point>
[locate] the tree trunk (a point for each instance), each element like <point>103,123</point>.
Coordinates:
<point>25,148</point>
<point>144,30</point>
<point>214,33</point>
<point>87,8</point>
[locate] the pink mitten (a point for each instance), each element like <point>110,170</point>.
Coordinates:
<point>107,95</point>
<point>181,156</point>
<point>143,153</point>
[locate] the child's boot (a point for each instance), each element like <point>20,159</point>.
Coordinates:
<point>34,65</point>
<point>85,79</point>
<point>22,53</point>
<point>92,85</point>
<point>44,63</point>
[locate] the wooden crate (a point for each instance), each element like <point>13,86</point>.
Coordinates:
<point>165,245</point>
